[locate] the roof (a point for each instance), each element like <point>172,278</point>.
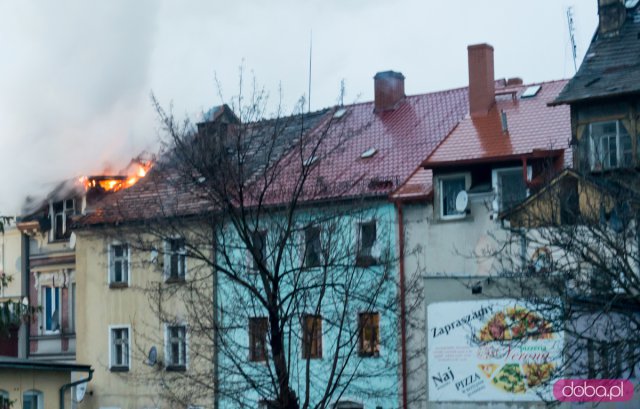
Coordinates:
<point>165,192</point>
<point>21,363</point>
<point>533,127</point>
<point>611,66</point>
<point>402,138</point>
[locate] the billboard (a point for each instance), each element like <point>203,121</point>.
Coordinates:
<point>491,350</point>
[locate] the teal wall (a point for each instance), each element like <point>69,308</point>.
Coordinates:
<point>372,381</point>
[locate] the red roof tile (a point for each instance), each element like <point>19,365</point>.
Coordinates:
<point>532,125</point>
<point>403,138</point>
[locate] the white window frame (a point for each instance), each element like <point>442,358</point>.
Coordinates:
<point>38,394</point>
<point>112,345</point>
<point>593,160</point>
<point>46,308</point>
<point>182,252</point>
<point>167,346</point>
<point>440,181</point>
<point>110,261</point>
<point>495,184</point>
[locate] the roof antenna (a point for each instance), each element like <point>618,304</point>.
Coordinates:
<point>572,36</point>
<point>310,53</point>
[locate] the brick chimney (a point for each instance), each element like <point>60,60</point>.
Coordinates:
<point>481,79</point>
<point>612,14</point>
<point>389,90</point>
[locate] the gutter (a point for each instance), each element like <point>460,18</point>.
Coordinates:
<point>403,309</point>
<point>72,384</point>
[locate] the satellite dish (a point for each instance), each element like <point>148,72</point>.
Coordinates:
<point>81,389</point>
<point>72,241</point>
<point>152,358</point>
<point>462,201</point>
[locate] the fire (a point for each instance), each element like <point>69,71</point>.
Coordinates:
<point>136,170</point>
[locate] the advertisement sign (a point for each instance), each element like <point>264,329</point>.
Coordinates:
<point>491,350</point>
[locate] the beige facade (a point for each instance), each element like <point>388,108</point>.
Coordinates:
<point>137,306</point>
<point>20,382</point>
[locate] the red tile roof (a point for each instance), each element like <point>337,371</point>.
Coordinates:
<point>533,128</point>
<point>403,138</point>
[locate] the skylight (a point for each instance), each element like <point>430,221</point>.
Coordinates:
<point>531,91</point>
<point>369,153</point>
<point>340,113</point>
<point>310,160</point>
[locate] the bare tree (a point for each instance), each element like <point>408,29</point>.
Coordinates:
<point>284,279</point>
<point>572,248</point>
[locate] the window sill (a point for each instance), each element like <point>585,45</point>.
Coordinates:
<point>117,285</point>
<point>366,261</point>
<point>176,368</point>
<point>369,355</point>
<point>463,219</point>
<point>175,280</point>
<point>119,369</point>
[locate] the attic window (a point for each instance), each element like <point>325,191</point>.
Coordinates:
<point>531,91</point>
<point>369,153</point>
<point>340,113</point>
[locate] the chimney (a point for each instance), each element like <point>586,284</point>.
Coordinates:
<point>612,14</point>
<point>481,79</point>
<point>389,90</point>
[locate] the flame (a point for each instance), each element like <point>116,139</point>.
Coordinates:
<point>135,171</point>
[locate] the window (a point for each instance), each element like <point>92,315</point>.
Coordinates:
<point>120,348</point>
<point>176,342</point>
<point>175,259</point>
<point>366,241</point>
<point>449,189</point>
<point>610,145</point>
<point>258,327</point>
<point>369,333</point>
<point>119,265</point>
<point>51,310</point>
<point>259,242</point>
<point>312,247</point>
<point>5,403</point>
<point>311,336</point>
<point>32,400</point>
<point>61,213</point>
<point>510,187</point>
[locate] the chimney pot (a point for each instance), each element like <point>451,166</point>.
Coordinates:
<point>481,79</point>
<point>389,90</point>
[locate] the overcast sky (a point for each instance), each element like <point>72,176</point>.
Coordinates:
<point>76,76</point>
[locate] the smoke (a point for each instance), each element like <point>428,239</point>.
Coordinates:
<point>74,91</point>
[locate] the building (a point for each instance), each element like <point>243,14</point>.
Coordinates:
<point>355,156</point>
<point>33,384</point>
<point>508,146</point>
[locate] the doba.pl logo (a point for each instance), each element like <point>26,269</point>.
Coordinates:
<point>593,390</point>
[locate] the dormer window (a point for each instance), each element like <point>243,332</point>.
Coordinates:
<point>610,146</point>
<point>60,214</point>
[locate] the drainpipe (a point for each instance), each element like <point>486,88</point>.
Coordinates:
<point>403,309</point>
<point>72,384</point>
<point>25,271</point>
